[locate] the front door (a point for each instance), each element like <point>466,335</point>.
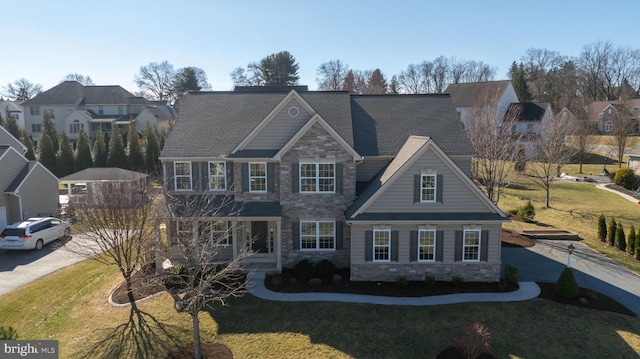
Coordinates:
<point>260,236</point>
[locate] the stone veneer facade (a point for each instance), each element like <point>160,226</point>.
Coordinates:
<point>470,272</point>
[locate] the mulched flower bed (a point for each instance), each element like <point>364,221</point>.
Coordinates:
<point>586,299</point>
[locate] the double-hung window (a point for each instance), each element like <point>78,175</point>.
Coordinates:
<point>36,127</point>
<point>471,245</point>
<point>184,232</point>
<point>217,233</point>
<point>34,110</point>
<point>318,235</point>
<point>382,245</point>
<point>426,245</point>
<point>182,176</point>
<point>257,177</point>
<point>317,177</point>
<point>428,188</point>
<point>217,176</point>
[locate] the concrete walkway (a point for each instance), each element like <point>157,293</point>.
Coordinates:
<point>623,195</point>
<point>528,290</point>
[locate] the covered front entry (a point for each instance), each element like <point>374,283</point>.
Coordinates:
<point>263,239</point>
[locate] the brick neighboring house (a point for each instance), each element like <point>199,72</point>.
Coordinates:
<point>72,106</point>
<point>603,115</point>
<point>28,188</point>
<point>377,183</point>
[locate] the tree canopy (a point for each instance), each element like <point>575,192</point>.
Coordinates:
<point>22,90</point>
<point>278,69</point>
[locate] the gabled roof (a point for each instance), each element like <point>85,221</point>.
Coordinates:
<point>595,108</point>
<point>413,149</point>
<point>7,139</point>
<point>527,111</point>
<point>468,94</point>
<point>72,92</point>
<point>112,174</point>
<point>26,171</point>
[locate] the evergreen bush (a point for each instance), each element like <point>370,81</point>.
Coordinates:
<point>621,240</point>
<point>602,228</point>
<point>625,177</point>
<point>527,212</point>
<point>631,240</point>
<point>611,235</point>
<point>325,269</point>
<point>566,286</point>
<point>303,270</point>
<point>510,274</point>
<point>8,333</point>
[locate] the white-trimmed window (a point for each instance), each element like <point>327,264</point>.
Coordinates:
<point>184,232</point>
<point>608,126</point>
<point>218,232</point>
<point>381,245</point>
<point>75,126</point>
<point>257,177</point>
<point>36,127</point>
<point>428,188</point>
<point>471,245</point>
<point>101,110</point>
<point>182,176</point>
<point>120,110</point>
<point>217,176</point>
<point>317,177</point>
<point>318,235</point>
<point>426,245</point>
<point>34,110</point>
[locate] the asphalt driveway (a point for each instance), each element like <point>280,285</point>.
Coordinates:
<point>545,261</point>
<point>18,268</point>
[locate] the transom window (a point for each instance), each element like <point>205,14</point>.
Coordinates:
<point>382,245</point>
<point>426,245</point>
<point>428,188</point>
<point>217,176</point>
<point>257,177</point>
<point>182,176</point>
<point>317,177</point>
<point>317,235</point>
<point>471,245</point>
<point>218,232</point>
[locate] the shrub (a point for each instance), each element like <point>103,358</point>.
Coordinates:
<point>276,280</point>
<point>521,161</point>
<point>457,281</point>
<point>636,253</point>
<point>513,211</point>
<point>625,177</point>
<point>402,282</point>
<point>527,212</point>
<point>325,269</point>
<point>621,240</point>
<point>8,333</point>
<point>303,270</point>
<point>602,228</point>
<point>566,286</point>
<point>511,274</point>
<point>475,340</point>
<point>611,235</point>
<point>315,282</point>
<point>429,281</point>
<point>631,240</point>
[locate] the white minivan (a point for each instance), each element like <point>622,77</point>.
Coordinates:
<point>33,233</point>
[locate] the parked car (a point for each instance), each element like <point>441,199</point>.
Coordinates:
<point>33,233</point>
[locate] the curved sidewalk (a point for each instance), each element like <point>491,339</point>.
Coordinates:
<point>255,286</point>
<point>623,195</point>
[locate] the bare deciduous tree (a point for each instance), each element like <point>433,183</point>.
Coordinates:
<point>623,127</point>
<point>331,75</point>
<point>84,80</point>
<point>22,90</point>
<point>199,227</point>
<point>157,78</point>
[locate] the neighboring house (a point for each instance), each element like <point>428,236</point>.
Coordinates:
<point>28,188</point>
<point>603,115</point>
<point>471,97</point>
<point>377,183</point>
<point>94,108</point>
<point>159,115</point>
<point>14,109</point>
<point>633,162</point>
<point>89,183</point>
<point>528,117</point>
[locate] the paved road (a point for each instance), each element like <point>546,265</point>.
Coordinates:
<point>545,261</point>
<point>18,268</point>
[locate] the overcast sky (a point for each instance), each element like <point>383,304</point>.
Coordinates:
<point>109,40</point>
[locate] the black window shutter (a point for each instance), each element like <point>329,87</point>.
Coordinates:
<point>339,234</point>
<point>170,180</point>
<point>229,168</point>
<point>204,175</point>
<point>195,176</point>
<point>230,231</point>
<point>338,172</point>
<point>484,245</point>
<point>394,246</point>
<point>416,189</point>
<point>439,245</point>
<point>245,177</point>
<point>439,185</point>
<point>295,173</point>
<point>295,234</point>
<point>368,246</point>
<point>270,177</point>
<point>458,247</point>
<point>413,242</point>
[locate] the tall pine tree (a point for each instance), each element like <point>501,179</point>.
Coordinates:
<point>83,152</point>
<point>64,157</point>
<point>116,156</point>
<point>99,151</point>
<point>28,142</point>
<point>49,127</point>
<point>519,82</point>
<point>46,153</point>
<point>11,124</point>
<point>134,153</point>
<point>151,148</point>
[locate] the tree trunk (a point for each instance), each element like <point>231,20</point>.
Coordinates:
<point>196,336</point>
<point>129,285</point>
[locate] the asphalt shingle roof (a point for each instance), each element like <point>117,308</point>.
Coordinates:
<point>104,174</point>
<point>468,94</point>
<point>69,92</point>
<point>527,111</point>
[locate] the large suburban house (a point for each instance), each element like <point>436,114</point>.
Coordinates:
<point>527,117</point>
<point>468,98</point>
<point>14,109</point>
<point>73,106</point>
<point>603,115</point>
<point>376,183</point>
<point>28,188</point>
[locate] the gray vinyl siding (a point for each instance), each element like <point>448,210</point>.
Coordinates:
<point>464,163</point>
<point>8,140</point>
<point>39,192</point>
<point>369,167</point>
<point>404,241</point>
<point>13,211</point>
<point>280,128</point>
<point>11,165</point>
<point>456,195</point>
